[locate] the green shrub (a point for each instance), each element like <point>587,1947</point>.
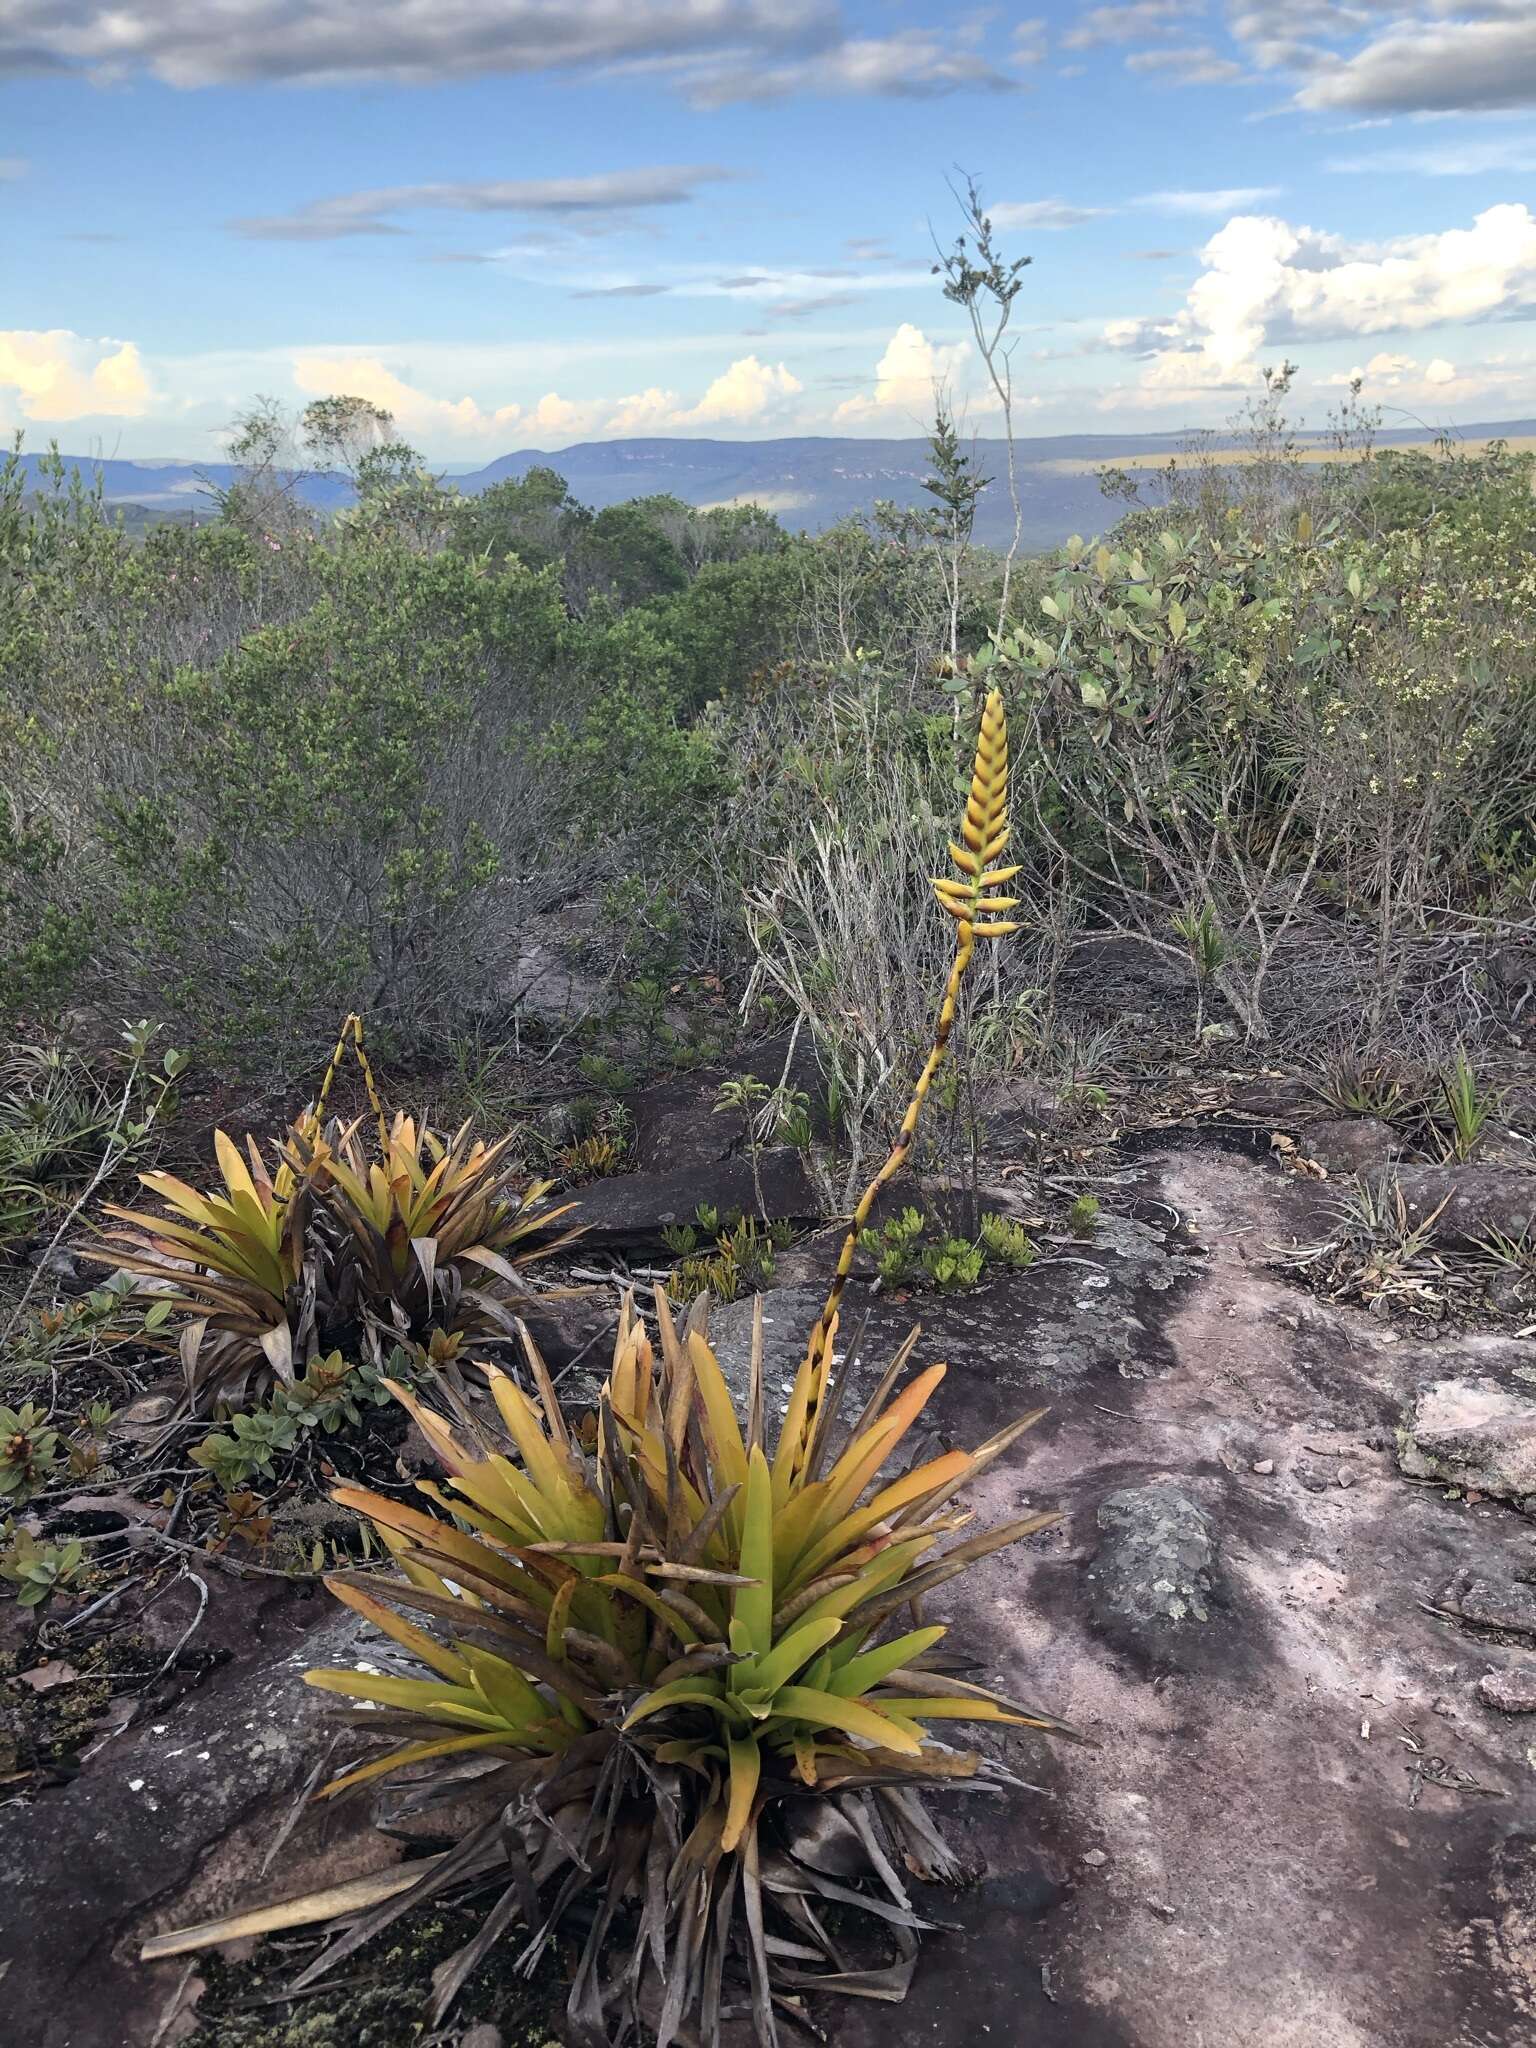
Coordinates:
<point>1008,1242</point>
<point>39,1570</point>
<point>332,1395</point>
<point>29,1452</point>
<point>252,797</point>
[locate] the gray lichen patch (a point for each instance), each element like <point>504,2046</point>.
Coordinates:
<point>1157,1566</point>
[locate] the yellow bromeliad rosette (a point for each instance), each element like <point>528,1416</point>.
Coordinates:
<point>674,1649</point>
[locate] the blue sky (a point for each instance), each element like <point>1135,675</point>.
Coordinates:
<point>529,222</point>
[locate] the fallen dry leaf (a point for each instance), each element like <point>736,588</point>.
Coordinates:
<point>44,1677</point>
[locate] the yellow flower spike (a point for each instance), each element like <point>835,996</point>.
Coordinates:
<point>983,837</point>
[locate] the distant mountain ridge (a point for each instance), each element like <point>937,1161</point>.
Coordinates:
<point>810,481</point>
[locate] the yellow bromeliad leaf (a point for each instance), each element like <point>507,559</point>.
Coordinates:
<point>722,1431</point>
<point>678,1623</point>
<point>418,1574</point>
<point>912,1487</point>
<point>679,1692</point>
<point>871,1579</point>
<point>872,1666</point>
<point>864,1458</point>
<point>850,1717</point>
<point>550,1472</point>
<point>925,1709</point>
<point>507,1692</point>
<point>445,1662</point>
<point>439,1539</point>
<point>752,1606</point>
<point>237,1175</point>
<point>746,1766</point>
<point>412,1753</point>
<point>763,1676</point>
<point>459,1705</point>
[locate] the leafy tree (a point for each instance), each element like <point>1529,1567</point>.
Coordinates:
<point>341,432</point>
<point>624,556</point>
<point>530,516</point>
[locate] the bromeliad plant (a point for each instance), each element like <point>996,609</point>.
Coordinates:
<point>327,1245</point>
<point>415,1218</point>
<point>670,1653</point>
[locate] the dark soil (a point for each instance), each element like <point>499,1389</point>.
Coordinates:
<point>379,1996</point>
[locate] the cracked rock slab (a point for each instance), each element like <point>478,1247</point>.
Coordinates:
<point>1474,1433</point>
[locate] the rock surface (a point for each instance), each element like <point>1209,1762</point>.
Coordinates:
<point>1352,1144</point>
<point>1156,1568</point>
<point>1472,1201</point>
<point>630,1211</point>
<point>1500,1601</point>
<point>169,1825</point>
<point>1512,1692</point>
<point>676,1122</point>
<point>1302,1824</point>
<point>1474,1433</point>
<point>1255,1852</point>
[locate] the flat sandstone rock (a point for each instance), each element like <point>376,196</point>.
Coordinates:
<point>1474,1433</point>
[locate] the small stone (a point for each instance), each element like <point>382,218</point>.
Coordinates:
<point>147,1411</point>
<point>1512,1692</point>
<point>1096,1857</point>
<point>1346,1475</point>
<point>1308,1476</point>
<point>1265,1466</point>
<point>482,2036</point>
<point>1346,1145</point>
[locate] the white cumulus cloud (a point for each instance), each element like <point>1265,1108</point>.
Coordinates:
<point>745,391</point>
<point>1404,379</point>
<point>906,376</point>
<point>1225,199</point>
<point>1481,60</point>
<point>1266,283</point>
<point>54,375</point>
<point>606,197</point>
<point>1043,213</point>
<point>415,411</point>
<point>710,51</point>
<point>748,391</point>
